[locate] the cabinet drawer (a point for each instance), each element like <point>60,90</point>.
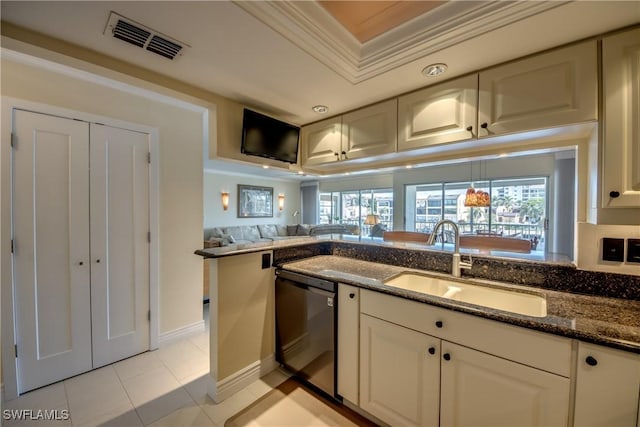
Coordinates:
<point>537,349</point>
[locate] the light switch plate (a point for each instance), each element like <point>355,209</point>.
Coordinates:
<point>612,249</point>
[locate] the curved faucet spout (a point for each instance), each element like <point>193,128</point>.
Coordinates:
<point>456,264</point>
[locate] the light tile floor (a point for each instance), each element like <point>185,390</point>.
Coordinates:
<point>162,388</point>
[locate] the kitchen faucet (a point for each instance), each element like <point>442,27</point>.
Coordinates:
<point>457,264</point>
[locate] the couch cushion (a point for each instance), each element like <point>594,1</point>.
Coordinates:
<point>212,232</point>
<point>282,230</point>
<point>251,232</point>
<point>235,232</point>
<point>302,230</point>
<point>292,230</point>
<point>268,231</point>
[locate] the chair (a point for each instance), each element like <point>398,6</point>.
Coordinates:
<point>496,243</point>
<point>405,236</point>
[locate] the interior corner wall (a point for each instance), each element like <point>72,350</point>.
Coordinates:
<point>180,174</point>
<point>214,183</point>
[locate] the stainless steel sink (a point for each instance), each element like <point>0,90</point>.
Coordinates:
<point>500,299</point>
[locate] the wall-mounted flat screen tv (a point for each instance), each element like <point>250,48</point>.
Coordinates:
<point>265,136</point>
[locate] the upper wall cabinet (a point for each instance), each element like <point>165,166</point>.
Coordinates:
<point>438,114</point>
<point>321,142</point>
<point>541,91</point>
<point>621,144</point>
<point>370,131</point>
<point>367,132</point>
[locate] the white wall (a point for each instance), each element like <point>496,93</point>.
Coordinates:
<point>180,170</point>
<point>215,183</point>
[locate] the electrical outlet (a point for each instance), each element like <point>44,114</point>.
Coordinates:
<point>633,250</point>
<point>613,249</point>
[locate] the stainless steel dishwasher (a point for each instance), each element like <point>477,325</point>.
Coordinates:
<point>306,328</point>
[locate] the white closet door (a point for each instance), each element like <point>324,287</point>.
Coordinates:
<point>119,243</point>
<point>51,234</point>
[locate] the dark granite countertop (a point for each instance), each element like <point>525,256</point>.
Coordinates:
<point>613,322</point>
<point>239,249</point>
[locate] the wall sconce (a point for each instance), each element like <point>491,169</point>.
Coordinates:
<point>225,200</point>
<point>280,202</point>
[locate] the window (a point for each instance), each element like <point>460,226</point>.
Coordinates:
<point>352,207</point>
<point>518,208</point>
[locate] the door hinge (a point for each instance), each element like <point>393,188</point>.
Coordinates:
<point>13,140</point>
<point>12,246</point>
<point>149,157</point>
<point>15,347</point>
<point>149,315</point>
<point>149,236</point>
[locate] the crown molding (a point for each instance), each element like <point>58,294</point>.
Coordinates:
<point>310,27</point>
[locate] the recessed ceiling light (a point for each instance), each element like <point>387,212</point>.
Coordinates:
<point>321,109</point>
<point>434,70</point>
<point>409,166</point>
<point>300,172</point>
<point>265,166</point>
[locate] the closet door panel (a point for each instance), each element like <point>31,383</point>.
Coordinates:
<point>50,213</point>
<point>119,243</point>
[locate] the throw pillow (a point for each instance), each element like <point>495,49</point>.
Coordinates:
<point>302,230</point>
<point>292,230</point>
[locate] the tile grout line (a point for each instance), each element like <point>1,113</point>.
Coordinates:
<point>128,396</point>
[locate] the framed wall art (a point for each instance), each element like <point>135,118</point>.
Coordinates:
<point>254,201</point>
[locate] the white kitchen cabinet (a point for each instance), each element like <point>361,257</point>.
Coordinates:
<point>399,373</point>
<point>438,114</point>
<point>321,142</point>
<point>607,387</point>
<point>546,90</point>
<point>367,132</point>
<point>487,373</point>
<point>478,389</point>
<point>370,131</point>
<point>348,341</point>
<point>621,143</point>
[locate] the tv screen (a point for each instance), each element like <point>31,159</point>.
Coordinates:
<point>265,136</point>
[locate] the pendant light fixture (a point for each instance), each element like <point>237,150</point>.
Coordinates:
<point>476,198</point>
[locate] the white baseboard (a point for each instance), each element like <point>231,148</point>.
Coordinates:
<point>181,333</point>
<point>241,379</point>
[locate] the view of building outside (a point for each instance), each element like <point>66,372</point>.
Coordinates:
<point>518,208</point>
<point>352,207</point>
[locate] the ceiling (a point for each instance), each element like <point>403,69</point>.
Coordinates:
<point>283,57</point>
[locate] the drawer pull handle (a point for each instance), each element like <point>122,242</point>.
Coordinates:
<point>484,125</point>
<point>439,324</point>
<point>614,194</point>
<point>446,356</point>
<point>591,361</point>
<point>432,350</point>
<point>352,295</point>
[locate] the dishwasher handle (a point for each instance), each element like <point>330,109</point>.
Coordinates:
<point>303,281</point>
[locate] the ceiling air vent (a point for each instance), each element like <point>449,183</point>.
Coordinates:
<point>136,34</point>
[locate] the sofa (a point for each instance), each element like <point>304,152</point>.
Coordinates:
<point>243,234</point>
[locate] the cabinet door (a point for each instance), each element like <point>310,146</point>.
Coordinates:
<point>438,114</point>
<point>607,387</point>
<point>370,131</point>
<point>399,377</point>
<point>321,142</point>
<point>479,389</point>
<point>551,89</point>
<point>621,147</point>
<point>348,340</point>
